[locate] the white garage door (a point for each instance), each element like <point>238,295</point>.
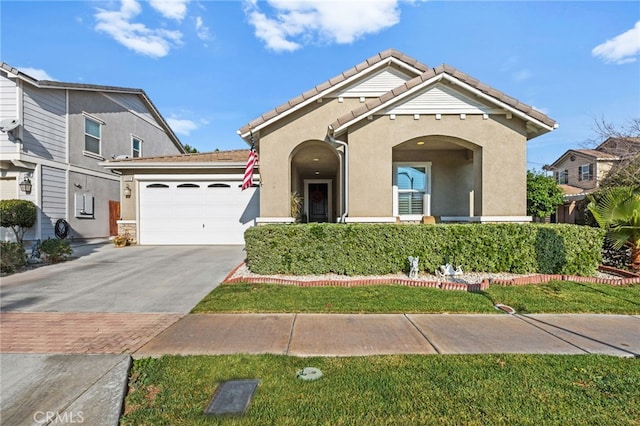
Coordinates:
<point>196,212</point>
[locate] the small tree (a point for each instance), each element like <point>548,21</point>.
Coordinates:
<point>543,194</point>
<point>618,212</point>
<point>19,215</point>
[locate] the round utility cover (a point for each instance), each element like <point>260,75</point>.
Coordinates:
<point>309,373</point>
<point>504,308</point>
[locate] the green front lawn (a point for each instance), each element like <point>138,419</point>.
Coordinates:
<point>392,390</point>
<point>554,297</point>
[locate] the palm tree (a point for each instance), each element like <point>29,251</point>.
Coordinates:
<point>618,211</point>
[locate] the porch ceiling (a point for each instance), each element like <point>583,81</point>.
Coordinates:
<point>429,144</point>
<point>316,157</point>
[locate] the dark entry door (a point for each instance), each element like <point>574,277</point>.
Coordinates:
<point>318,202</point>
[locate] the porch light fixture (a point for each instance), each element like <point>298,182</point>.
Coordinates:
<point>420,143</point>
<point>25,185</point>
<point>316,159</point>
<point>127,191</point>
<point>317,172</point>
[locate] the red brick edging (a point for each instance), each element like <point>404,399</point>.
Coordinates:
<point>443,285</point>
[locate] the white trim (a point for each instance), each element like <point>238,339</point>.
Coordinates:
<point>275,220</point>
<point>510,110</point>
<point>193,177</point>
<point>358,75</point>
<point>19,161</point>
<point>126,222</point>
<point>170,165</point>
<point>380,219</point>
<point>92,155</point>
<point>486,219</point>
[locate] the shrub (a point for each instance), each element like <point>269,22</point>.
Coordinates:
<point>12,257</point>
<point>56,250</point>
<point>19,215</point>
<point>376,249</point>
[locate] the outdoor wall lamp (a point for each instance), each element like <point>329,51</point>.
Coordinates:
<point>25,185</point>
<point>127,191</point>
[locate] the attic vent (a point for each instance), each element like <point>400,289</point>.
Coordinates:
<point>219,185</point>
<point>188,185</point>
<point>157,185</point>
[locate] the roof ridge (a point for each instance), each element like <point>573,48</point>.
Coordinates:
<point>367,63</point>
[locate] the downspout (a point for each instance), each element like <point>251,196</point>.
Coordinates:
<point>345,171</point>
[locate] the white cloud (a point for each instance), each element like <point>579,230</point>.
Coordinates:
<point>36,73</point>
<point>136,36</point>
<point>202,30</point>
<point>622,49</point>
<point>293,23</point>
<point>172,9</point>
<point>181,126</point>
<point>522,75</point>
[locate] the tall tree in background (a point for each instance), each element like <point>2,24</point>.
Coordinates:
<point>190,149</point>
<point>543,194</point>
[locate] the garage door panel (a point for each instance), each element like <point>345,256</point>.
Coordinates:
<point>204,215</point>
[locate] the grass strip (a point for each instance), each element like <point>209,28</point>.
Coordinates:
<point>553,297</point>
<point>392,390</point>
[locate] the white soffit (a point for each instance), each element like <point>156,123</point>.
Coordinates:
<point>377,84</point>
<point>443,99</point>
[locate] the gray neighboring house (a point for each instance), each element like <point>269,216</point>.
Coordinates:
<point>54,135</point>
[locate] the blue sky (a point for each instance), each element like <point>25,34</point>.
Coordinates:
<point>212,66</point>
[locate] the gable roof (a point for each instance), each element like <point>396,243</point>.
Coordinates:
<point>451,74</point>
<point>333,84</point>
<point>49,84</point>
<point>593,153</point>
<point>424,77</point>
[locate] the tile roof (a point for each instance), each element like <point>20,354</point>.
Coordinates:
<point>389,53</point>
<point>238,155</point>
<point>599,155</point>
<point>453,72</point>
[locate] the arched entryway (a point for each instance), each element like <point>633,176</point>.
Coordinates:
<point>315,180</point>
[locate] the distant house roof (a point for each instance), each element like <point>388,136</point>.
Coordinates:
<point>423,73</point>
<point>48,84</point>
<point>593,153</point>
<point>573,193</point>
<point>233,158</point>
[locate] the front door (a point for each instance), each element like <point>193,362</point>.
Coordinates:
<point>318,200</point>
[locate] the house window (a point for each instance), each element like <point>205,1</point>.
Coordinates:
<point>92,135</point>
<point>586,172</point>
<point>412,181</point>
<point>136,147</point>
<point>562,177</point>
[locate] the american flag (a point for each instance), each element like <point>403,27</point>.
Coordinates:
<point>251,162</point>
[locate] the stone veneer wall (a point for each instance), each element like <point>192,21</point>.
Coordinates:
<point>128,227</point>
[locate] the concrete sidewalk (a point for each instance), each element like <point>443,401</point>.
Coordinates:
<point>77,386</point>
<point>374,334</point>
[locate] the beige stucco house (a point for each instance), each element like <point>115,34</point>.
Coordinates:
<point>392,139</point>
<point>579,172</point>
<point>389,140</point>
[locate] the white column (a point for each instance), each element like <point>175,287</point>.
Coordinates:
<point>426,204</point>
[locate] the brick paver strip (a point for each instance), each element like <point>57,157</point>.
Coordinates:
<point>79,333</point>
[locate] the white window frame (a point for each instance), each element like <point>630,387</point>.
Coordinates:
<point>585,176</point>
<point>100,123</point>
<point>134,138</point>
<point>426,194</point>
<point>562,177</point>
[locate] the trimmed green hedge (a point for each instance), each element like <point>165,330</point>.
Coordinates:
<point>377,249</point>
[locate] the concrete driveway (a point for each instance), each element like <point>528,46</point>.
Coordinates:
<point>136,279</point>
